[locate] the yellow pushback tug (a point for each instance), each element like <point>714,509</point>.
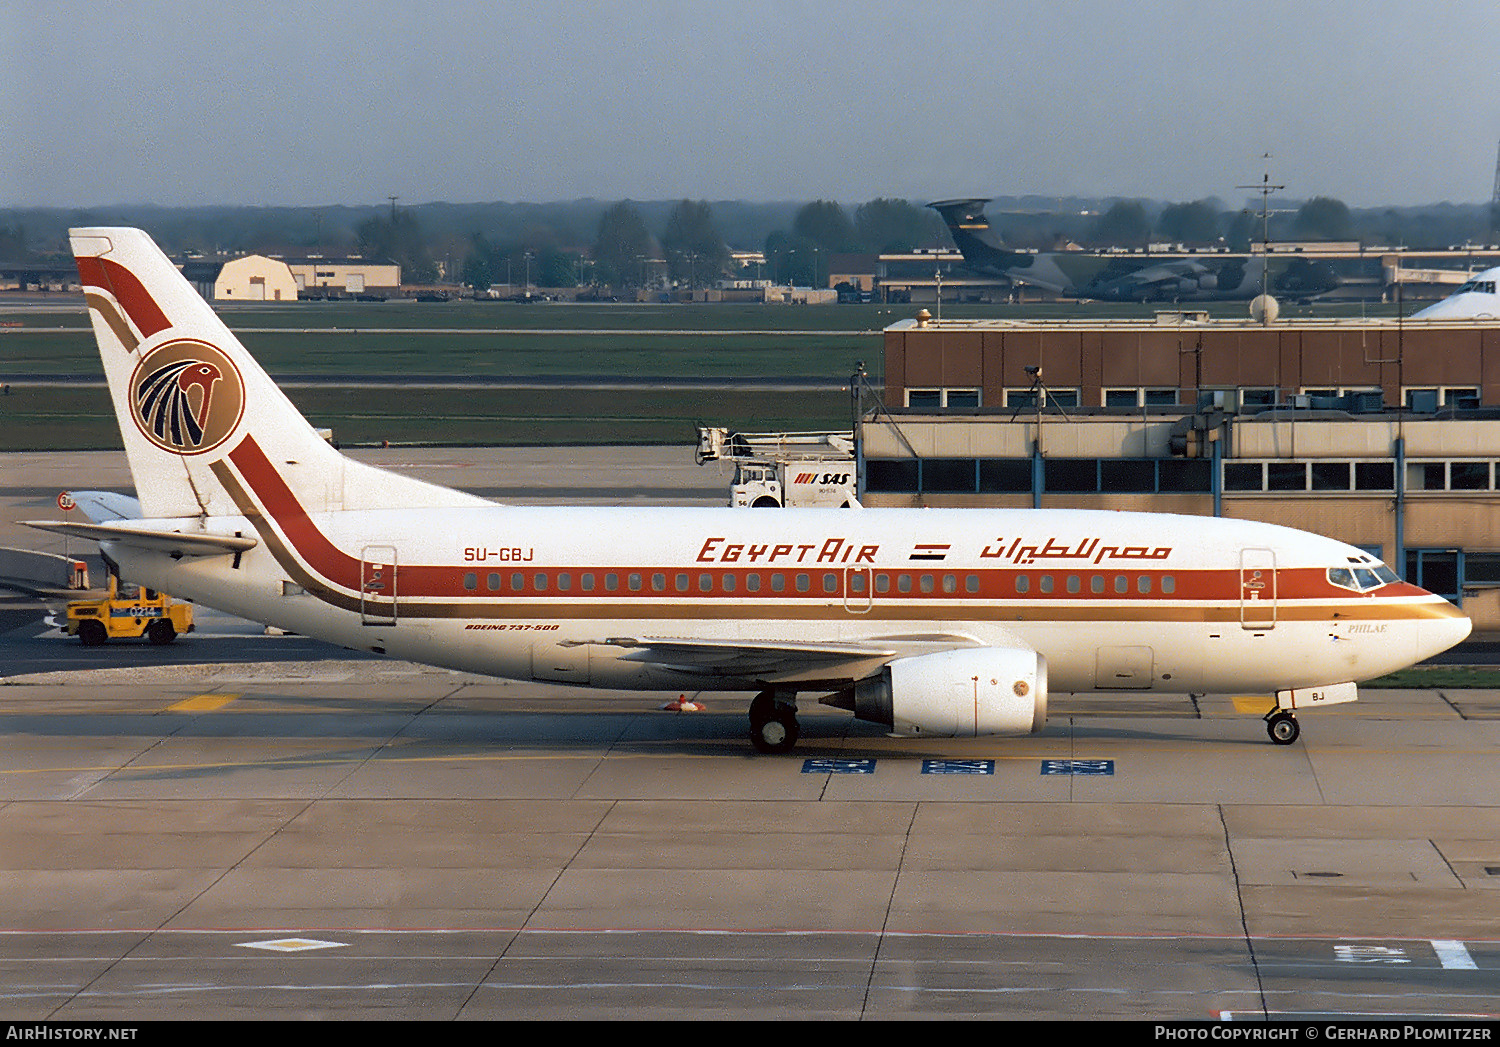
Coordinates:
<point>129,611</point>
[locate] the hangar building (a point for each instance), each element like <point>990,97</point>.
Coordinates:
<point>255,278</point>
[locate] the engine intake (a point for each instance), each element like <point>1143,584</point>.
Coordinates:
<point>955,694</point>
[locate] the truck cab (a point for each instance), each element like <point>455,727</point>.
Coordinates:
<point>757,485</point>
<point>128,611</point>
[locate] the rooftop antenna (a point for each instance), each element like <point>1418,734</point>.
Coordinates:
<point>1495,199</point>
<point>1267,313</point>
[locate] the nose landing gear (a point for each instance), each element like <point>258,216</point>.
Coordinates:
<point>1282,726</point>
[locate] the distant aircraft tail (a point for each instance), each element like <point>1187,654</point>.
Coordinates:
<point>206,431</point>
<point>984,249</point>
<point>967,224</point>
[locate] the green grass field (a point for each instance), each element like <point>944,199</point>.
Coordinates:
<point>1441,677</point>
<point>502,340</point>
<point>68,418</point>
<point>561,416</point>
<point>498,340</point>
<point>486,340</point>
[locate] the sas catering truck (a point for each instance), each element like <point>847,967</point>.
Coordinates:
<point>775,470</point>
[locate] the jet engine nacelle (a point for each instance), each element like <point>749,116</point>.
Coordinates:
<point>1208,282</point>
<point>958,694</point>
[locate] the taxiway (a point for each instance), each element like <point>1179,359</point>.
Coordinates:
<point>267,827</point>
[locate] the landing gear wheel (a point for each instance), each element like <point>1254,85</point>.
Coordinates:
<point>777,734</point>
<point>1283,728</point>
<point>161,632</point>
<point>762,709</point>
<point>91,634</point>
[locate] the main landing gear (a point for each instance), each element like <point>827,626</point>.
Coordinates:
<point>773,721</point>
<point>1282,726</point>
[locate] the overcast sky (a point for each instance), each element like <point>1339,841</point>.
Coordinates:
<point>1375,102</point>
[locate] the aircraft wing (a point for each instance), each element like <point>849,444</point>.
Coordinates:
<point>174,543</point>
<point>778,661</point>
<point>753,660</point>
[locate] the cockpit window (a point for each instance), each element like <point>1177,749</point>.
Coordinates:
<point>1361,579</point>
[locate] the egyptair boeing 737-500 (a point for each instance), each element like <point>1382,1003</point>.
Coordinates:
<point>936,622</point>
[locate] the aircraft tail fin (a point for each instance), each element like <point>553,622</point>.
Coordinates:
<point>984,249</point>
<point>197,413</point>
<point>968,225</point>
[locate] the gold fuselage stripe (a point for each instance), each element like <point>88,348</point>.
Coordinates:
<point>573,608</point>
<point>111,316</point>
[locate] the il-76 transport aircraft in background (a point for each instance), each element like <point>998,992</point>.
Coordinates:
<point>933,622</point>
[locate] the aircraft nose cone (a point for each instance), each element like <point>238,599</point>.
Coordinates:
<point>1437,635</point>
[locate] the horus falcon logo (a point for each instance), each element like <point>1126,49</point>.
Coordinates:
<point>186,396</point>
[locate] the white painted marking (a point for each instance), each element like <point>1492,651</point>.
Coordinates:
<point>1370,954</point>
<point>1454,956</point>
<point>291,945</point>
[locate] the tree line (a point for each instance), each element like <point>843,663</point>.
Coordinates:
<point>1210,223</point>
<point>690,250</point>
<point>628,244</point>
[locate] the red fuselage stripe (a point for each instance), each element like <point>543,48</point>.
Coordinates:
<point>128,291</point>
<point>472,581</point>
<point>325,558</point>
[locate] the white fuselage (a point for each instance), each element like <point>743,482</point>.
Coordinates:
<point>1477,299</point>
<point>1113,601</point>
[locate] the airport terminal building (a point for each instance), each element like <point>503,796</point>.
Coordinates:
<point>1382,434</point>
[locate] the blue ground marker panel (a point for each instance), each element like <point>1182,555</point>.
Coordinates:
<point>1105,768</point>
<point>825,765</point>
<point>958,766</point>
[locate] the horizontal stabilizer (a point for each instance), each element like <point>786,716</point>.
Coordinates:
<point>106,506</point>
<point>174,543</point>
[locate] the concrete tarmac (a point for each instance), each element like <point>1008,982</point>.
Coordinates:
<point>267,827</point>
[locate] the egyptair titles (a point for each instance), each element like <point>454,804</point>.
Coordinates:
<point>829,551</point>
<point>1020,551</point>
<point>1088,550</point>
